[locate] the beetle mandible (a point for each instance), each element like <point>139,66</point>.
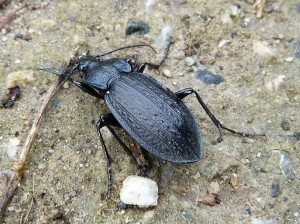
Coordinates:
<point>154,116</point>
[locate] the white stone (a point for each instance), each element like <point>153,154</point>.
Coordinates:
<point>139,191</point>
<point>223,42</point>
<point>264,51</point>
<point>165,36</point>
<point>190,61</point>
<point>261,221</point>
<point>289,59</point>
<point>12,147</point>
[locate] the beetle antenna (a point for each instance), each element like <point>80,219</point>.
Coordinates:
<point>122,48</point>
<point>61,73</point>
<point>49,71</point>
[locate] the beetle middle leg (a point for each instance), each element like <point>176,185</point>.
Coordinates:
<point>109,120</point>
<point>185,92</point>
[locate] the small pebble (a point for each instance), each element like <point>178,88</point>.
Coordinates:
<point>261,221</point>
<point>280,36</point>
<point>297,48</point>
<point>231,14</point>
<point>180,190</point>
<point>66,85</point>
<point>136,28</point>
<point>275,189</point>
<point>149,4</point>
<point>190,61</point>
<point>197,176</point>
<point>298,8</point>
<point>139,191</point>
<point>167,73</point>
<point>264,51</point>
<point>285,125</point>
<point>10,209</point>
<point>224,42</point>
<point>277,83</point>
<point>121,205</point>
<point>187,216</point>
<point>289,59</point>
<point>214,188</point>
<point>247,210</point>
<point>209,78</point>
<point>286,165</point>
<point>210,199</point>
<point>269,8</point>
<point>234,180</point>
<point>12,147</point>
<point>165,36</point>
<point>148,215</point>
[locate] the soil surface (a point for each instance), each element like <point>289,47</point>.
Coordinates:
<point>255,179</point>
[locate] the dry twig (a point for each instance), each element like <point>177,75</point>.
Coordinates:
<point>19,167</point>
<point>258,7</point>
<point>9,16</point>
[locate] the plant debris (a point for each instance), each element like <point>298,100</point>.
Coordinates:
<point>210,199</point>
<point>14,94</point>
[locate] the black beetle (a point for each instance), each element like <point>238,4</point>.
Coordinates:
<point>154,116</point>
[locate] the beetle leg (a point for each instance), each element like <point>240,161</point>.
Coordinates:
<point>155,66</point>
<point>185,92</point>
<point>86,88</point>
<point>109,120</point>
<point>99,125</point>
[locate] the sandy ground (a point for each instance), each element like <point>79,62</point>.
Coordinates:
<point>66,170</point>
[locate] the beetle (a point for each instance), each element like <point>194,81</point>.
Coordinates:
<point>154,116</point>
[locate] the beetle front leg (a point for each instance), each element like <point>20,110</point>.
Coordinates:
<point>86,88</point>
<point>185,92</point>
<point>155,66</point>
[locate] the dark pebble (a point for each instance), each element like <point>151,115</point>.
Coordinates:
<point>269,8</point>
<point>297,135</point>
<point>185,20</point>
<point>298,8</point>
<point>297,48</point>
<point>247,210</point>
<point>209,78</point>
<point>285,125</point>
<point>187,216</point>
<point>122,205</point>
<point>138,28</point>
<point>275,189</point>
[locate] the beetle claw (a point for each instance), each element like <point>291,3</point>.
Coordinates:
<point>220,139</point>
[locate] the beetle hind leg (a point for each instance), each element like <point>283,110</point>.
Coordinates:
<point>99,125</point>
<point>109,120</point>
<point>185,92</point>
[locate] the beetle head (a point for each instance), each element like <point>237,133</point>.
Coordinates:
<point>82,64</point>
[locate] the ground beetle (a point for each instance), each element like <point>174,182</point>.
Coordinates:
<point>154,116</point>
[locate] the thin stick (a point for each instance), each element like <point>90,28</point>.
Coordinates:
<point>19,167</point>
<point>9,16</point>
